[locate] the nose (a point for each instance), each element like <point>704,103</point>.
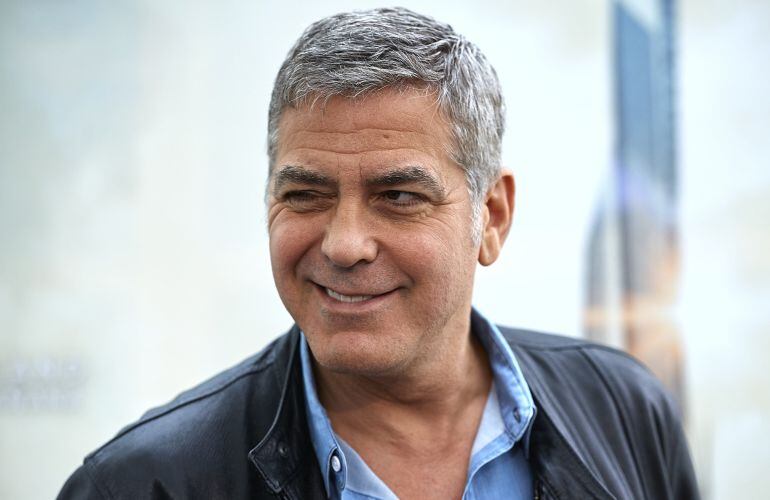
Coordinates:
<point>348,239</point>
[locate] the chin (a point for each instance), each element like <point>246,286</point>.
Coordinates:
<point>359,354</point>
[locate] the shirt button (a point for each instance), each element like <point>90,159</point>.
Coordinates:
<point>517,414</point>
<point>336,465</point>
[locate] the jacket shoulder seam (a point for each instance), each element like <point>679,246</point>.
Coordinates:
<point>618,408</point>
<point>90,470</point>
<point>576,345</point>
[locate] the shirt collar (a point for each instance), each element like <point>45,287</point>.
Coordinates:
<point>517,407</point>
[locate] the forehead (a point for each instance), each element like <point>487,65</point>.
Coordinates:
<point>386,123</point>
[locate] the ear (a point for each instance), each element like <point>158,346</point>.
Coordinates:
<point>497,213</point>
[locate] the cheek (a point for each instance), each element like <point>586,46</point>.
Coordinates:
<point>440,262</point>
<point>289,241</point>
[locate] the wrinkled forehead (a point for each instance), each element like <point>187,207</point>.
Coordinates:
<point>391,113</point>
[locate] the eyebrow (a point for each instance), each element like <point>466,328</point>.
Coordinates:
<point>294,174</point>
<point>408,175</point>
<point>300,175</point>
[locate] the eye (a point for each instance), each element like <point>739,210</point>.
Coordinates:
<point>299,196</point>
<point>402,198</point>
<point>305,199</point>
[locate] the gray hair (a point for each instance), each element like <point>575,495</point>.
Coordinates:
<point>355,53</point>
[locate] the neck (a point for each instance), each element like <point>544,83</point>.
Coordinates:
<point>427,404</point>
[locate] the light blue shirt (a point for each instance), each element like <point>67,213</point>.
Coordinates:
<point>498,466</point>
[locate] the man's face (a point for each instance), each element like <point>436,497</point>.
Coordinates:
<point>370,231</point>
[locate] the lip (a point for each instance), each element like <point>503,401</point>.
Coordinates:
<point>349,298</point>
<point>359,305</point>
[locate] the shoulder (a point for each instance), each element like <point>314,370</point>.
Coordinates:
<point>200,433</point>
<point>617,398</point>
<point>205,405</point>
<point>610,410</point>
<point>218,395</point>
<point>550,358</point>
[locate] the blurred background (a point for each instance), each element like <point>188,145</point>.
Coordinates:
<point>133,250</point>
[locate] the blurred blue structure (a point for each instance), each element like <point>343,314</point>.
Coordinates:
<point>633,250</point>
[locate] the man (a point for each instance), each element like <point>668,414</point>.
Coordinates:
<point>385,190</point>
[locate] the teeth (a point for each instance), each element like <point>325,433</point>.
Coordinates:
<point>347,298</point>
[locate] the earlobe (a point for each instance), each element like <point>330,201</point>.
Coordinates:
<point>498,210</point>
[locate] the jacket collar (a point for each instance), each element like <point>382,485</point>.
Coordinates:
<point>559,469</point>
<point>284,457</point>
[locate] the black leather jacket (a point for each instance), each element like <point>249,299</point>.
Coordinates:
<point>604,429</point>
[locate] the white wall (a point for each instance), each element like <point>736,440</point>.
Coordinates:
<point>725,295</point>
<point>133,255</point>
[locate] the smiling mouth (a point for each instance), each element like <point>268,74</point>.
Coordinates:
<point>351,298</point>
<point>347,298</point>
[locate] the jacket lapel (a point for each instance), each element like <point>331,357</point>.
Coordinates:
<point>559,469</point>
<point>285,457</point>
